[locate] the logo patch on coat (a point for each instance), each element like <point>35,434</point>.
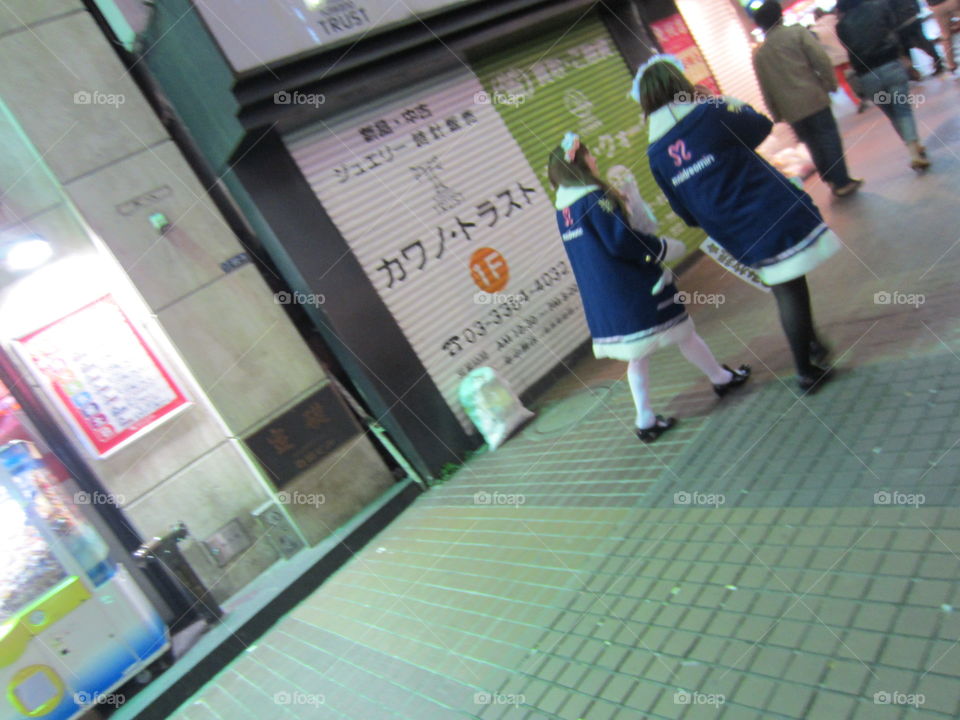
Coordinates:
<point>678,151</point>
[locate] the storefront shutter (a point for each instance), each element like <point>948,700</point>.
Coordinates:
<point>452,227</point>
<point>574,79</point>
<point>720,33</point>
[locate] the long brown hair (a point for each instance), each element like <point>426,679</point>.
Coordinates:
<point>578,174</point>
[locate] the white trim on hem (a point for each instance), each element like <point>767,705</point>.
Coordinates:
<point>801,263</point>
<point>633,349</point>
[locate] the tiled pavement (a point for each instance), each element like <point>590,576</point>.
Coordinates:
<point>772,557</point>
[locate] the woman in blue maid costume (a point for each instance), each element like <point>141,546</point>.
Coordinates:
<point>629,297</point>
<point>703,156</point>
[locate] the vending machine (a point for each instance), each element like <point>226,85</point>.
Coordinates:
<point>74,626</point>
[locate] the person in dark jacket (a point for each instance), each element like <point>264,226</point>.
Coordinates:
<point>796,77</point>
<point>629,297</point>
<point>906,15</point>
<point>867,28</point>
<point>702,155</point>
<point>825,29</point>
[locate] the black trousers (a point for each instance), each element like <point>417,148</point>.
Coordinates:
<point>912,36</point>
<point>819,132</point>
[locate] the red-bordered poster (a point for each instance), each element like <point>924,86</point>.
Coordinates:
<point>674,37</point>
<point>106,378</point>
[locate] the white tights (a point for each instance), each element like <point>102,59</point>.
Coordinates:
<point>696,352</point>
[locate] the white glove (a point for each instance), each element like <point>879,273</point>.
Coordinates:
<point>665,279</point>
<point>675,249</point>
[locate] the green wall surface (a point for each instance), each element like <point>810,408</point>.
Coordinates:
<point>575,79</point>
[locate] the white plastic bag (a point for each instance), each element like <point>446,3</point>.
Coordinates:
<point>491,404</point>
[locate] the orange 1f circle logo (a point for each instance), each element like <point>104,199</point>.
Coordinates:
<point>678,151</point>
<point>489,270</point>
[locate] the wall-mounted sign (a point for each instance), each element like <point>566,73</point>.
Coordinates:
<point>235,263</point>
<point>303,435</point>
<point>253,34</point>
<point>102,374</point>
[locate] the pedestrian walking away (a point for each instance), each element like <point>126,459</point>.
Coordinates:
<point>909,27</point>
<point>944,11</point>
<point>825,29</point>
<point>867,28</point>
<point>703,157</point>
<point>796,78</point>
<point>629,297</point>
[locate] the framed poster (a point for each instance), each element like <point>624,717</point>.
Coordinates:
<point>102,375</point>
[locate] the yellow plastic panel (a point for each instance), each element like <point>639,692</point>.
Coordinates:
<point>32,620</point>
<point>35,683</point>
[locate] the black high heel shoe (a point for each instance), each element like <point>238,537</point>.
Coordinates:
<point>740,376</point>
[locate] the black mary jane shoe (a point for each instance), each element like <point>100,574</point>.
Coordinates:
<point>814,380</point>
<point>659,427</point>
<point>740,376</point>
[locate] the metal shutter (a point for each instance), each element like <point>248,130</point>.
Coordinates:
<point>719,32</point>
<point>419,183</point>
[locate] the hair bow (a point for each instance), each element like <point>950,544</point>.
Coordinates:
<point>570,145</point>
<point>653,60</point>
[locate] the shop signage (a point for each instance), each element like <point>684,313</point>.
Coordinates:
<point>674,37</point>
<point>303,436</point>
<point>253,34</point>
<point>453,229</point>
<point>576,80</point>
<point>711,248</point>
<point>102,374</point>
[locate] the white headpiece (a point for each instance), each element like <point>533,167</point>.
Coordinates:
<point>570,145</point>
<point>672,59</point>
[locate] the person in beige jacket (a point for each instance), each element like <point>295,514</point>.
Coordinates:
<point>796,78</point>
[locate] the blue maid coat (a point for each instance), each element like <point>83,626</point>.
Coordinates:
<point>616,269</point>
<point>703,158</point>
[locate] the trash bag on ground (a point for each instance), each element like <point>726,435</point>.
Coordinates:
<point>492,405</point>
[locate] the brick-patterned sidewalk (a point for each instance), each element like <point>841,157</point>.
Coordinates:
<point>773,557</point>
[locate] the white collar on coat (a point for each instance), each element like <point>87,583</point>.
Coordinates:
<point>662,120</point>
<point>567,195</point>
